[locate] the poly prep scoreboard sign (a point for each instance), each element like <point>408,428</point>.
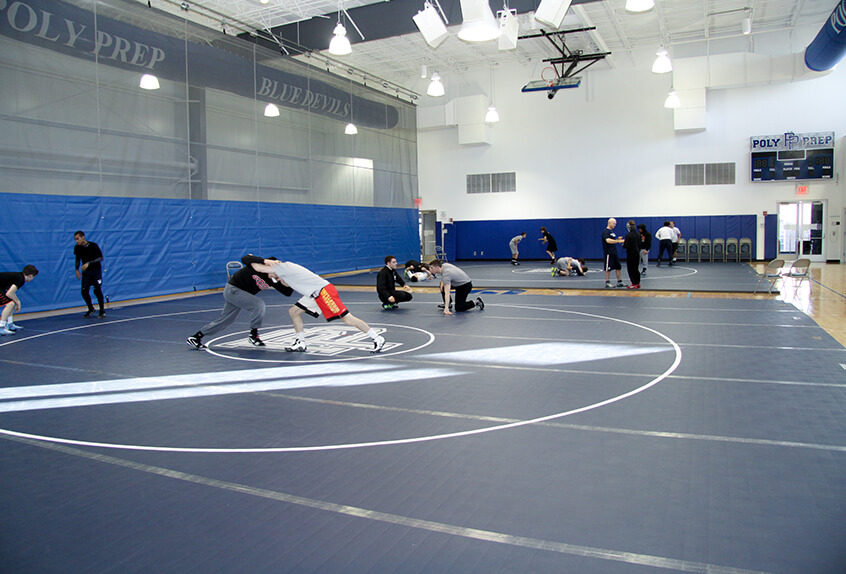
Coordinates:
<point>792,156</point>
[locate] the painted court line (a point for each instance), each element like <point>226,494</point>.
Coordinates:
<point>635,558</point>
<point>615,430</point>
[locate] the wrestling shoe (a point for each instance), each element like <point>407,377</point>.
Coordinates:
<point>620,285</point>
<point>13,327</point>
<point>378,343</point>
<point>608,285</point>
<point>89,313</point>
<point>480,304</point>
<point>634,286</point>
<point>255,341</point>
<point>195,341</point>
<point>101,314</point>
<point>5,331</point>
<point>554,272</point>
<point>389,306</point>
<point>297,347</point>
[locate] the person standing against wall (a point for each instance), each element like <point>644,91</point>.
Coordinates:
<point>10,283</point>
<point>551,246</point>
<point>631,243</point>
<point>386,285</point>
<point>512,245</point>
<point>645,245</point>
<point>610,241</point>
<point>88,253</point>
<point>665,235</point>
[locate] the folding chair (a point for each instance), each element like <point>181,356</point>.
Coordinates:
<point>232,267</point>
<point>772,274</point>
<point>692,250</point>
<point>681,253</point>
<point>718,250</point>
<point>705,249</point>
<point>799,269</point>
<point>745,250</point>
<point>732,253</point>
<point>440,253</point>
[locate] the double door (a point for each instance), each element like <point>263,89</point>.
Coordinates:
<point>801,230</point>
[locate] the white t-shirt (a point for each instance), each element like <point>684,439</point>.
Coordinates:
<point>676,234</point>
<point>664,233</point>
<point>299,278</point>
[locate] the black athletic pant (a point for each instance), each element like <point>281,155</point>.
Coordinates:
<point>461,293</point>
<point>665,245</point>
<point>633,267</point>
<point>398,295</point>
<point>92,280</point>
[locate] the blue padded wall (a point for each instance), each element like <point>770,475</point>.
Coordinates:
<point>581,237</point>
<point>161,246</point>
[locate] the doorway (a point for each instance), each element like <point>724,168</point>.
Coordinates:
<point>800,229</point>
<point>428,227</point>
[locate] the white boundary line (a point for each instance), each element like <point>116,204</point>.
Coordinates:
<point>392,442</point>
<point>329,359</point>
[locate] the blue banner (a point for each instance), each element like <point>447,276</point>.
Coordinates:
<point>829,46</point>
<point>71,30</point>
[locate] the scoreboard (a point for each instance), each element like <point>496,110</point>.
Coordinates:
<point>792,156</point>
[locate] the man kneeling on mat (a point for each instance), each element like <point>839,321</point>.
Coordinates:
<point>386,285</point>
<point>318,297</point>
<point>453,277</point>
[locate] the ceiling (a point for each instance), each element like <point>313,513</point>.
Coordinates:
<point>685,27</point>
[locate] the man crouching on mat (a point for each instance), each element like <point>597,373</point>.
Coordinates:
<point>240,293</point>
<point>318,297</point>
<point>453,277</point>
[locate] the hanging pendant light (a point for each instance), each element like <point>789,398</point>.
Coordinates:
<point>672,102</point>
<point>639,5</point>
<point>436,88</point>
<point>149,82</point>
<point>340,44</point>
<point>492,116</point>
<point>662,63</point>
<point>479,24</point>
<point>271,111</point>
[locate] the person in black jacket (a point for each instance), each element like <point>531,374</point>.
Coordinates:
<point>88,253</point>
<point>10,283</point>
<point>645,245</point>
<point>631,244</point>
<point>386,285</point>
<point>241,293</point>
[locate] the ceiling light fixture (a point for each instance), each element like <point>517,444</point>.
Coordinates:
<point>436,88</point>
<point>662,63</point>
<point>509,28</point>
<point>429,22</point>
<point>271,111</point>
<point>492,116</point>
<point>340,44</point>
<point>552,12</point>
<point>672,102</point>
<point>639,5</point>
<point>149,82</point>
<point>479,24</point>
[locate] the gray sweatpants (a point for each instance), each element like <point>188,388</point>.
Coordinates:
<point>236,299</point>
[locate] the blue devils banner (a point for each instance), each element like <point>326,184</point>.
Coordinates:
<point>829,46</point>
<point>72,30</point>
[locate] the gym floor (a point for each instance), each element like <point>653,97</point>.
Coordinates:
<point>544,434</point>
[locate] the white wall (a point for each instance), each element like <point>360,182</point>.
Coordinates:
<point>609,148</point>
